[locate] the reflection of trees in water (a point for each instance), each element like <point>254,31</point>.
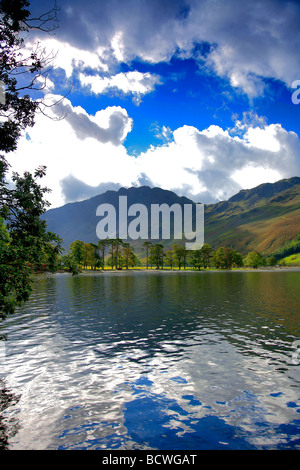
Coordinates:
<point>8,427</point>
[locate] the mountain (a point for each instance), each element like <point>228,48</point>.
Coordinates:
<point>264,218</point>
<point>78,220</point>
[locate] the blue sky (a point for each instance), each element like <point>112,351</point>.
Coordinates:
<point>193,96</point>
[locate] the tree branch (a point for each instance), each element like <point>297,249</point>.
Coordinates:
<point>44,19</point>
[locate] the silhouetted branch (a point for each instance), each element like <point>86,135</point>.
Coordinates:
<point>44,20</point>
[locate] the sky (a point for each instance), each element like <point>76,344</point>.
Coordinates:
<point>194,96</point>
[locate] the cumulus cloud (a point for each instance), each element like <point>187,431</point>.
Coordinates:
<point>163,133</point>
<point>85,155</point>
<point>75,190</point>
<point>87,147</point>
<point>212,165</point>
<point>117,126</point>
<point>99,45</point>
<point>78,63</point>
<point>246,43</point>
<point>136,83</point>
<point>68,57</point>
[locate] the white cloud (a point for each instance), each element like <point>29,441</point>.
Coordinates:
<point>251,176</point>
<point>69,57</point>
<point>135,83</point>
<point>101,60</point>
<point>266,138</point>
<point>163,133</point>
<point>87,152</point>
<point>88,147</point>
<point>211,164</point>
<point>109,125</point>
<point>118,47</point>
<point>250,41</point>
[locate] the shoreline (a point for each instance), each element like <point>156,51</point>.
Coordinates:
<point>176,271</point>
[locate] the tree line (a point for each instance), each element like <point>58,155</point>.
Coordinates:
<point>94,255</point>
<point>117,254</point>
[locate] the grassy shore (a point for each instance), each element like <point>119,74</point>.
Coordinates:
<point>190,269</point>
<point>292,260</point>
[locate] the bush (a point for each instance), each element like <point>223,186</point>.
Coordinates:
<point>254,260</point>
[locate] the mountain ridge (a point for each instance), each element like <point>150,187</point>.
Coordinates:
<point>261,218</point>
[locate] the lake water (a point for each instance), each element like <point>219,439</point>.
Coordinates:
<point>154,360</point>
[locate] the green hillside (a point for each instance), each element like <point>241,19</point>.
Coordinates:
<point>263,219</point>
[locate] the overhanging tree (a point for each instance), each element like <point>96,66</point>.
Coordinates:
<point>21,71</point>
<point>24,238</point>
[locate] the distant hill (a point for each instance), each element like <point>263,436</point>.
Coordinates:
<point>264,218</point>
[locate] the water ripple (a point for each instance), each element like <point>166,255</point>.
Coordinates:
<point>154,361</point>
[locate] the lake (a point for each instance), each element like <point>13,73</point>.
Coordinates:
<point>154,360</point>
